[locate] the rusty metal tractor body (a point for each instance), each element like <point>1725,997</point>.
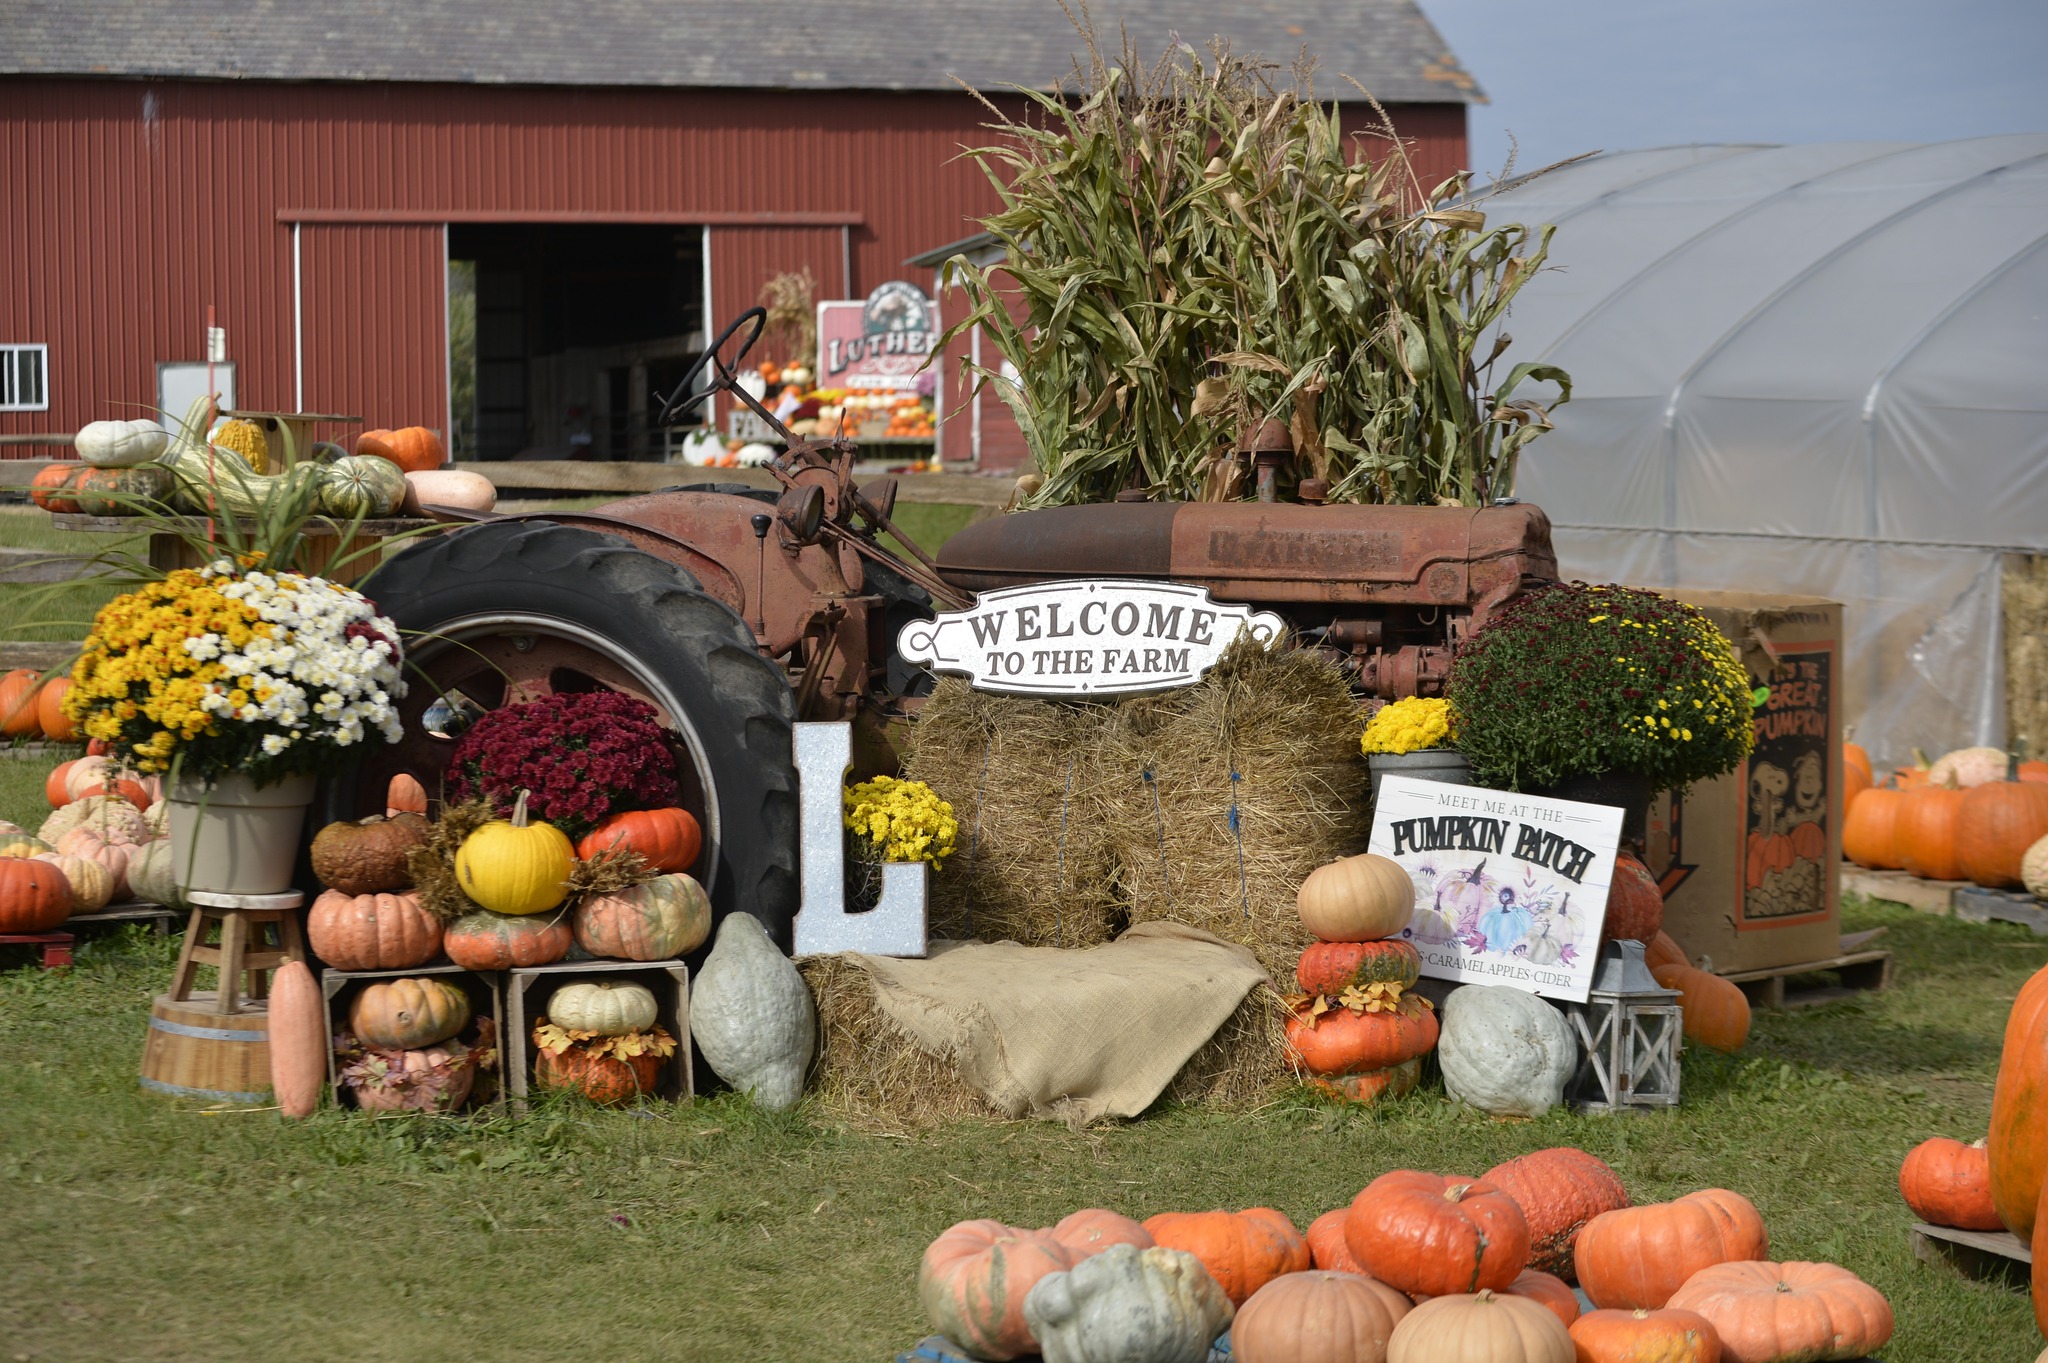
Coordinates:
<point>791,604</point>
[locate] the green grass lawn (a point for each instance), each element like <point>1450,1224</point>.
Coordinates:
<point>145,1229</point>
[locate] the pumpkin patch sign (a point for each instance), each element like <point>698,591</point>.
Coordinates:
<point>1509,888</point>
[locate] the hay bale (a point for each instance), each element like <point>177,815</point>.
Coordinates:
<point>868,1071</point>
<point>1222,798</point>
<point>1245,1061</point>
<point>2026,650</point>
<point>1033,863</point>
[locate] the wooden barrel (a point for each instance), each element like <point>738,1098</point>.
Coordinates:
<point>194,1052</point>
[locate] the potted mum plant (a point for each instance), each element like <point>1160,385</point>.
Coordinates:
<point>889,819</point>
<point>1412,737</point>
<point>1599,693</point>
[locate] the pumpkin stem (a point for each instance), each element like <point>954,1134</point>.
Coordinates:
<point>519,810</point>
<point>1456,1192</point>
<point>1484,1294</point>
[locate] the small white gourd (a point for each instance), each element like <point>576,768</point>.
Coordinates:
<point>1505,1051</point>
<point>120,444</point>
<point>1127,1305</point>
<point>2034,869</point>
<point>752,1015</point>
<point>608,1008</point>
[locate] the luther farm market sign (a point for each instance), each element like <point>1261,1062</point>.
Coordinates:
<point>1084,638</point>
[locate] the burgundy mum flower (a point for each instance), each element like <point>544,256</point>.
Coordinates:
<point>580,755</point>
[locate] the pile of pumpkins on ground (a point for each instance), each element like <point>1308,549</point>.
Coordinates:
<point>1976,814</point>
<point>1418,1268</point>
<point>104,843</point>
<point>126,468</point>
<point>599,1039</point>
<point>1357,1030</point>
<point>1999,1182</point>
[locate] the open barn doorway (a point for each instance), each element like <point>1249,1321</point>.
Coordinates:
<point>561,333</point>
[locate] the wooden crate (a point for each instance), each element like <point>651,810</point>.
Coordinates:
<point>1974,1253</point>
<point>486,990</point>
<point>526,995</point>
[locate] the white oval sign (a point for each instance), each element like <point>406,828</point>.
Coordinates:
<point>1084,637</point>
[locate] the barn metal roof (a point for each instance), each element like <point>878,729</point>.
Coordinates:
<point>1387,45</point>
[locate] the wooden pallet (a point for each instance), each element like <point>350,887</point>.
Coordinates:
<point>1896,887</point>
<point>1975,1253</point>
<point>160,917</point>
<point>1855,972</point>
<point>2002,906</point>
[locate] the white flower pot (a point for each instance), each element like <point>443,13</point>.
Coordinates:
<point>233,836</point>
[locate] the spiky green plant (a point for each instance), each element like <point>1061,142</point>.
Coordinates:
<point>1192,248</point>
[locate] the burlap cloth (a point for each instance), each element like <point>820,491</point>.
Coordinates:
<point>1076,1036</point>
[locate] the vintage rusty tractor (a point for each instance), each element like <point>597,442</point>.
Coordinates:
<point>738,611</point>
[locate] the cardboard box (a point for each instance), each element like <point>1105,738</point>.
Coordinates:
<point>1747,862</point>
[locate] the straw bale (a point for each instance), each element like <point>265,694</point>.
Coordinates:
<point>1244,1062</point>
<point>868,1071</point>
<point>2026,650</point>
<point>1033,863</point>
<point>1227,855</point>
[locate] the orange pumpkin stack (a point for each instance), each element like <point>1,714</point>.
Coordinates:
<point>1356,1028</point>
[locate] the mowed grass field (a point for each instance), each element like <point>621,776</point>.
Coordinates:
<point>141,1228</point>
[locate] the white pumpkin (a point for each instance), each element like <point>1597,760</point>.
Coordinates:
<point>1504,1051</point>
<point>86,773</point>
<point>752,1015</point>
<point>1967,767</point>
<point>150,876</point>
<point>448,487</point>
<point>121,444</point>
<point>1128,1305</point>
<point>2034,869</point>
<point>609,1008</point>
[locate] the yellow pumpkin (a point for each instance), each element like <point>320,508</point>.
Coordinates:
<point>513,866</point>
<point>1358,899</point>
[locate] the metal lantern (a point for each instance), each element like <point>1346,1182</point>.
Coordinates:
<point>1630,1027</point>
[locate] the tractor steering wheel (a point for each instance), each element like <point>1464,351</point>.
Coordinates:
<point>681,399</point>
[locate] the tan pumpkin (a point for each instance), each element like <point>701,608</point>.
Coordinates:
<point>1765,1312</point>
<point>84,842</point>
<point>1356,899</point>
<point>372,931</point>
<point>92,885</point>
<point>22,845</point>
<point>2034,869</point>
<point>663,918</point>
<point>1968,768</point>
<point>151,872</point>
<point>80,774</point>
<point>1317,1317</point>
<point>1486,1327</point>
<point>368,856</point>
<point>109,817</point>
<point>448,487</point>
<point>408,1014</point>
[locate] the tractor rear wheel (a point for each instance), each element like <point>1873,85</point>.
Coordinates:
<point>513,611</point>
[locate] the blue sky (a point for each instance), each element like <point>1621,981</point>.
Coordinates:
<point>1568,76</point>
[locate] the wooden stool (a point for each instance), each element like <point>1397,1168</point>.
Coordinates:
<point>242,946</point>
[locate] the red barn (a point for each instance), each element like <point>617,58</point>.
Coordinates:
<point>604,180</point>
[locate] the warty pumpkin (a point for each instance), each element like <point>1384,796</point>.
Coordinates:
<point>1715,1011</point>
<point>654,921</point>
<point>372,931</point>
<point>1243,1250</point>
<point>606,1080</point>
<point>34,895</point>
<point>1327,1248</point>
<point>46,489</point>
<point>973,1280</point>
<point>1927,832</point>
<point>1870,832</point>
<point>2017,1145</point>
<point>515,866</point>
<point>1968,767</point>
<point>2034,869</point>
<point>1559,1191</point>
<point>1635,906</point>
<point>87,842</point>
<point>408,1014</point>
<point>1127,1305</point>
<point>368,856</point>
<point>502,941</point>
<point>1765,1312</point>
<point>1425,1233</point>
<point>1640,1336</point>
<point>1356,899</point>
<point>666,839</point>
<point>1485,1327</point>
<point>122,491</point>
<point>298,1039</point>
<point>1367,1088</point>
<point>1329,968</point>
<point>1947,1183</point>
<point>1638,1256</point>
<point>1317,1317</point>
<point>1341,1041</point>
<point>2000,820</point>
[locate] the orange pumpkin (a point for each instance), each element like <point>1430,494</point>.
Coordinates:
<point>666,839</point>
<point>1927,827</point>
<point>973,1280</point>
<point>53,785</point>
<point>1396,1081</point>
<point>605,1080</point>
<point>1716,1011</point>
<point>1559,1191</point>
<point>34,895</point>
<point>1243,1251</point>
<point>372,931</point>
<point>1635,906</point>
<point>408,1014</point>
<point>2032,770</point>
<point>46,489</point>
<point>134,792</point>
<point>1546,1290</point>
<point>1341,1041</point>
<point>1766,1311</point>
<point>1638,1256</point>
<point>2018,1143</point>
<point>2000,821</point>
<point>1663,950</point>
<point>2038,1278</point>
<point>18,703</point>
<point>1329,968</point>
<point>1870,833</point>
<point>1316,1316</point>
<point>415,449</point>
<point>1438,1236</point>
<point>404,795</point>
<point>1095,1229</point>
<point>298,1040</point>
<point>1640,1336</point>
<point>1327,1247</point>
<point>1857,774</point>
<point>50,716</point>
<point>502,941</point>
<point>1947,1183</point>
